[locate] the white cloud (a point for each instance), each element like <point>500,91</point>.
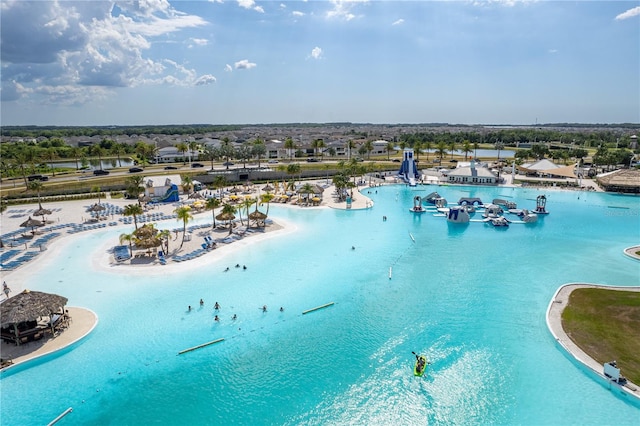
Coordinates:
<point>200,41</point>
<point>228,68</point>
<point>553,50</point>
<point>316,53</point>
<point>342,9</point>
<point>251,5</point>
<point>297,13</point>
<point>204,80</point>
<point>398,22</point>
<point>74,52</point>
<point>629,14</point>
<point>244,65</point>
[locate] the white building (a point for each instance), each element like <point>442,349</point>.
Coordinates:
<point>160,186</point>
<point>472,175</point>
<point>171,154</point>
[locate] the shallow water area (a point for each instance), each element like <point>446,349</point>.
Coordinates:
<point>471,297</point>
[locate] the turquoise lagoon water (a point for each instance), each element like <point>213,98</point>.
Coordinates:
<point>472,298</point>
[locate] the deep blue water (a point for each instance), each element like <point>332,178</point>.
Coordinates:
<point>472,298</point>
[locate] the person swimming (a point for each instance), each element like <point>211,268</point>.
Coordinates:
<point>234,317</point>
<point>216,306</point>
<point>264,308</point>
<point>201,302</point>
<point>216,318</point>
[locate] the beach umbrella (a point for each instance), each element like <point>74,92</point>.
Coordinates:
<point>97,208</point>
<point>29,305</point>
<point>42,212</point>
<point>258,216</point>
<point>31,223</point>
<point>196,195</point>
<point>317,189</point>
<point>268,188</point>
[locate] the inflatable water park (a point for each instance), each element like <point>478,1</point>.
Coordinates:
<point>464,211</point>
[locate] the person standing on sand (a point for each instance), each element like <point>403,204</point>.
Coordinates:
<point>6,289</point>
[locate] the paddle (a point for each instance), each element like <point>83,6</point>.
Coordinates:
<point>428,362</point>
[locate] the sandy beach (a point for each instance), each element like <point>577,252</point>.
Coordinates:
<point>83,321</point>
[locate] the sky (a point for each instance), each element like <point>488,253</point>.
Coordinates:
<point>143,62</point>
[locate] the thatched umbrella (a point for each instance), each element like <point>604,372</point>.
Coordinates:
<point>317,189</point>
<point>42,212</point>
<point>145,232</point>
<point>268,188</point>
<point>226,216</point>
<point>148,243</point>
<point>31,223</point>
<point>258,216</point>
<point>29,306</point>
<point>97,208</point>
<point>196,195</point>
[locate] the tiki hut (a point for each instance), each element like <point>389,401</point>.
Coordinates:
<point>21,316</point>
<point>626,180</point>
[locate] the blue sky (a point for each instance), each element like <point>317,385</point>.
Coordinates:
<point>250,62</point>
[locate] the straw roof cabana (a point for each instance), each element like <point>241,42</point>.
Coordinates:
<point>30,305</point>
<point>626,180</point>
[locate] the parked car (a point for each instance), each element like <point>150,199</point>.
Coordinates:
<point>100,172</point>
<point>272,161</point>
<point>38,177</point>
<point>312,160</point>
<point>227,163</point>
<point>196,165</point>
<point>135,170</point>
<point>170,168</point>
<point>396,160</point>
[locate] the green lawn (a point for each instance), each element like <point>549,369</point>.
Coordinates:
<point>606,325</point>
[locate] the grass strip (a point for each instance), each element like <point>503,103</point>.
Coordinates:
<point>605,324</point>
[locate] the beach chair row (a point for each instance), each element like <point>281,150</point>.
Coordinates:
<point>26,257</point>
<point>189,256</point>
<point>80,228</point>
<point>44,239</point>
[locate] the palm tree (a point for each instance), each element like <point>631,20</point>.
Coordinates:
<point>390,147</point>
<point>165,236</point>
<point>134,186</point>
<point>290,146</point>
<point>219,182</point>
<point>97,190</point>
<point>133,210</point>
<point>246,205</point>
<point>128,238</point>
<point>118,149</point>
<point>228,213</point>
<point>36,186</point>
<point>452,147</point>
<point>51,154</point>
<point>350,145</point>
<point>292,170</point>
<point>265,198</point>
<point>441,149</point>
<point>187,183</point>
<point>193,147</point>
<point>466,148</point>
<point>427,147</point>
<point>212,204</point>
<point>184,214</point>
<point>99,152</point>
<point>183,148</point>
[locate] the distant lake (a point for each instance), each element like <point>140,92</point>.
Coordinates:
<point>478,153</point>
<point>94,164</point>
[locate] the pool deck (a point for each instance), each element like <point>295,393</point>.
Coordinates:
<point>554,322</point>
